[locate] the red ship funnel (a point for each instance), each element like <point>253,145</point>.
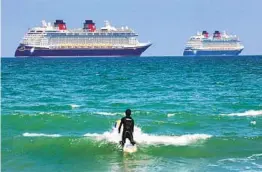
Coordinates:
<point>60,24</point>
<point>205,33</point>
<point>89,25</point>
<point>217,34</point>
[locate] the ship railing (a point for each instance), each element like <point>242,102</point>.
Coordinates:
<point>220,48</point>
<point>82,46</point>
<point>100,31</point>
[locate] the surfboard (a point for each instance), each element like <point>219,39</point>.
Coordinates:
<point>129,148</point>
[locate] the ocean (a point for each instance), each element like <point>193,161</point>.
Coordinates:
<point>191,113</point>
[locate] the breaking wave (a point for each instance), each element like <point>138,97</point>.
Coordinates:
<point>40,135</point>
<point>247,113</point>
<point>150,139</point>
<point>107,113</point>
<point>74,106</point>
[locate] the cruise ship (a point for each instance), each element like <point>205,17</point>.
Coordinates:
<point>219,44</point>
<point>56,40</point>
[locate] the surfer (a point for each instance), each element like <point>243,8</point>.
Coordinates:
<point>128,128</point>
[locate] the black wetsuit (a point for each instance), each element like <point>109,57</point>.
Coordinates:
<point>128,129</point>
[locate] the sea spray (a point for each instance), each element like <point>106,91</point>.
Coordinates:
<point>150,139</point>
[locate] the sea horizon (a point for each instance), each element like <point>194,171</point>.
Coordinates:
<point>142,56</point>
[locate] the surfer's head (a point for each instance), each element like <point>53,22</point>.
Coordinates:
<point>128,112</point>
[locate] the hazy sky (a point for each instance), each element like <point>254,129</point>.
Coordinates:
<point>167,23</point>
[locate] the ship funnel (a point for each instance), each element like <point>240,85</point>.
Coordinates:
<point>89,25</point>
<point>216,34</point>
<point>60,24</point>
<point>205,33</point>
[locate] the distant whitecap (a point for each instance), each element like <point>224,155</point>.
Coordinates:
<point>246,113</point>
<point>170,114</point>
<point>74,106</point>
<point>40,135</point>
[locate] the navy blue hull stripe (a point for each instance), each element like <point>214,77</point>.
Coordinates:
<point>211,53</point>
<point>42,52</point>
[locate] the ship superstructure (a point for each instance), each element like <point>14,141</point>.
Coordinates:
<point>219,43</point>
<point>58,41</point>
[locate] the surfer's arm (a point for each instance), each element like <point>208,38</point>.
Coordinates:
<point>120,125</point>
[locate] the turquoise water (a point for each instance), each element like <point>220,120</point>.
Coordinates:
<point>191,113</point>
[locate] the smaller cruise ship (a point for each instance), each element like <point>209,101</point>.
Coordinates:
<point>219,44</point>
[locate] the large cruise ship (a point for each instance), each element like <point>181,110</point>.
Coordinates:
<point>218,44</point>
<point>58,41</point>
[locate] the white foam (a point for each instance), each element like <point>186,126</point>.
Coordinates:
<point>107,113</point>
<point>148,139</point>
<point>91,134</point>
<point>74,106</point>
<point>251,160</point>
<point>36,114</point>
<point>247,113</point>
<point>170,114</point>
<point>253,122</point>
<point>255,155</point>
<point>45,113</point>
<point>40,135</point>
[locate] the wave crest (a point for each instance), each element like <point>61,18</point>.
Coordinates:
<point>246,113</point>
<point>148,139</point>
<point>171,114</point>
<point>73,106</point>
<point>40,135</point>
<point>107,113</point>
